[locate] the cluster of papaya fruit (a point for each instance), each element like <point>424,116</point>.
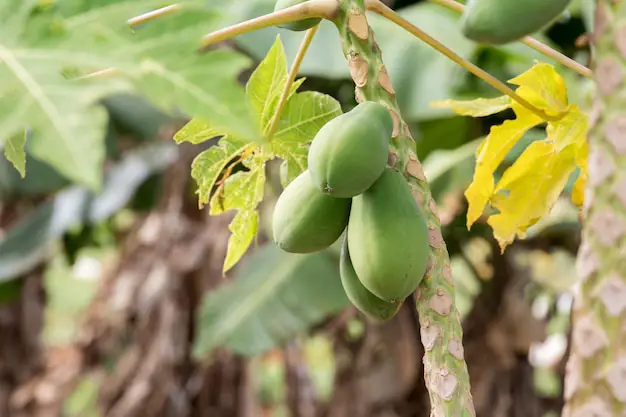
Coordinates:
<point>497,22</point>
<point>349,185</point>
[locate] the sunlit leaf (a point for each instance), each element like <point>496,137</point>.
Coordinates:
<point>196,131</point>
<point>530,187</point>
<point>479,107</point>
<point>243,228</point>
<point>543,87</point>
<point>304,115</point>
<point>208,165</point>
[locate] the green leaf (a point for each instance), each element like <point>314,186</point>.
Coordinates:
<point>14,152</point>
<point>275,296</point>
<point>196,131</point>
<point>303,116</point>
<point>267,83</point>
<point>208,165</point>
<point>242,191</point>
<point>243,228</point>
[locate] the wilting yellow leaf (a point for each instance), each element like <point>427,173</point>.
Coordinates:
<point>532,186</point>
<point>476,108</point>
<point>544,87</point>
<point>529,188</point>
<point>490,154</point>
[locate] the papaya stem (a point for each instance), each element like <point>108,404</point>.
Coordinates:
<point>378,7</point>
<point>291,77</point>
<point>325,9</point>
<point>146,17</point>
<point>531,42</point>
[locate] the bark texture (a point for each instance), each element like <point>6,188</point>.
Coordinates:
<point>445,370</point>
<point>595,385</point>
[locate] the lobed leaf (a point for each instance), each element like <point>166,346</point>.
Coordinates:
<point>243,228</point>
<point>208,165</point>
<point>14,152</point>
<point>304,115</point>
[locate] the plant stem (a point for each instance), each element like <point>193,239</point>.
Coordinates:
<point>304,46</point>
<point>146,17</point>
<point>533,43</point>
<point>445,370</point>
<point>381,9</point>
<point>325,9</point>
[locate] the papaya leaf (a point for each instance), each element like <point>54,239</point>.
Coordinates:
<point>274,297</point>
<point>304,115</point>
<point>214,169</point>
<point>479,107</point>
<point>243,228</point>
<point>196,131</point>
<point>243,190</point>
<point>529,188</point>
<point>14,152</point>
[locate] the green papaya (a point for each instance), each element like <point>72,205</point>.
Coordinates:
<point>361,298</point>
<point>350,152</point>
<point>388,238</point>
<point>300,25</point>
<point>306,220</point>
<point>497,22</point>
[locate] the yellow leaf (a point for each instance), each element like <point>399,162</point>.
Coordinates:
<point>478,194</point>
<point>544,87</point>
<point>502,138</point>
<point>533,184</point>
<point>571,129</point>
<point>476,108</point>
<point>490,154</point>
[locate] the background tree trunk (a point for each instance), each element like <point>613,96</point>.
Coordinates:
<point>596,371</point>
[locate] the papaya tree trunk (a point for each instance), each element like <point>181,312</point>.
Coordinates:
<point>595,384</point>
<point>445,370</point>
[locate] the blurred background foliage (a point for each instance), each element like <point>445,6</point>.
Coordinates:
<point>73,230</point>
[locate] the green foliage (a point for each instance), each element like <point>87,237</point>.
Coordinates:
<point>304,114</point>
<point>275,296</point>
<point>46,54</point>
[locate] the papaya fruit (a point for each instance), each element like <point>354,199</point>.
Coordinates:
<point>388,238</point>
<point>497,22</point>
<point>306,220</point>
<point>370,305</point>
<point>300,25</point>
<point>350,152</point>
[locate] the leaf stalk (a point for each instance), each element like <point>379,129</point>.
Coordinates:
<point>291,77</point>
<point>378,7</point>
<point>325,9</point>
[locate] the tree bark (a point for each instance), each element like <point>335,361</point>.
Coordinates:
<point>596,371</point>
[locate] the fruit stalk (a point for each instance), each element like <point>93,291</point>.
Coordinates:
<point>595,383</point>
<point>445,370</point>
